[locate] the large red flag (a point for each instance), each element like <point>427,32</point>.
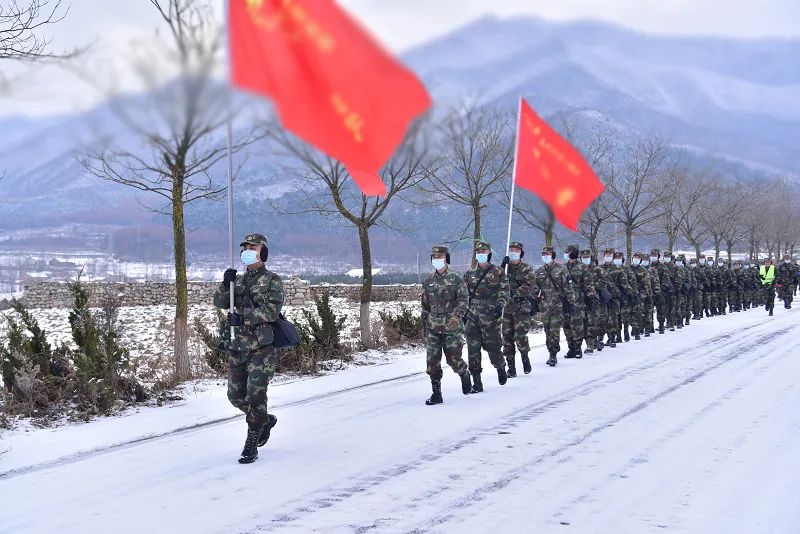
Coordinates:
<point>332,84</point>
<point>553,169</point>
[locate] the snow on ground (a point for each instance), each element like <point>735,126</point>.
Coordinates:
<point>695,431</point>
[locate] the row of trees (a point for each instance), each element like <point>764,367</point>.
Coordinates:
<point>461,155</point>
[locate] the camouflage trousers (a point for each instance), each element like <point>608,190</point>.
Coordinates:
<point>625,312</point>
<point>722,299</point>
<point>552,321</point>
<point>697,303</point>
<point>677,308</point>
<point>707,300</point>
<point>595,316</point>
<point>686,305</point>
<point>483,335</point>
<point>575,325</point>
<point>735,298</point>
<point>248,378</point>
<point>662,308</point>
<point>768,296</point>
<point>451,344</point>
<point>613,318</point>
<point>516,326</point>
<point>637,312</point>
<point>786,293</point>
<point>647,315</point>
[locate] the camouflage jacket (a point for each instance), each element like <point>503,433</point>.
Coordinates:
<point>520,284</point>
<point>690,279</point>
<point>599,279</point>
<point>655,283</point>
<point>258,298</point>
<point>551,285</point>
<point>485,297</point>
<point>664,277</point>
<point>581,279</point>
<point>632,282</point>
<point>702,278</point>
<point>730,279</point>
<point>643,282</point>
<point>617,282</point>
<point>443,296</point>
<point>785,274</point>
<point>675,278</point>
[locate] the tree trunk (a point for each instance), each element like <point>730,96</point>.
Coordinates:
<point>548,231</point>
<point>729,247</point>
<point>366,286</point>
<point>717,246</point>
<point>476,230</point>
<point>629,242</point>
<point>183,369</point>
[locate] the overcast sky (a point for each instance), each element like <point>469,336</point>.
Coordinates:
<point>113,25</point>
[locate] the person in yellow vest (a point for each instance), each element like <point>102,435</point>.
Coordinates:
<point>767,273</point>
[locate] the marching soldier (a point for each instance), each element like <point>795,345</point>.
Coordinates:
<point>488,295</point>
<point>666,302</point>
<point>784,281</point>
<point>696,307</point>
<point>767,274</point>
<point>689,282</point>
<point>518,315</point>
<point>676,277</point>
<point>617,283</point>
<point>655,291</point>
<point>644,293</point>
<point>555,296</point>
<point>595,309</point>
<point>580,277</point>
<point>445,302</point>
<point>632,302</point>
<point>258,299</point>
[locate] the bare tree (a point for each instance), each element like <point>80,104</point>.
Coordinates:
<point>21,26</point>
<point>681,202</point>
<point>476,157</point>
<point>404,171</point>
<point>635,186</point>
<point>176,135</point>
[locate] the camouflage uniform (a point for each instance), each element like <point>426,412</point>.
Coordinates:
<point>620,289</point>
<point>579,276</point>
<point>644,288</point>
<point>697,293</point>
<point>258,299</point>
<point>687,288</point>
<point>488,295</point>
<point>552,288</point>
<point>517,317</point>
<point>706,281</point>
<point>650,303</point>
<point>665,304</point>
<point>444,305</point>
<point>784,280</point>
<point>722,287</point>
<point>597,311</point>
<point>631,310</point>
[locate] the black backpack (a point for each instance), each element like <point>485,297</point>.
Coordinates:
<point>286,336</point>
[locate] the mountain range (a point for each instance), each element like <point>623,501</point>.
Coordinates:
<point>729,101</point>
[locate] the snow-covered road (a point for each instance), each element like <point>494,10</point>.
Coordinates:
<point>694,431</point>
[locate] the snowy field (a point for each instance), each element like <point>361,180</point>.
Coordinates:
<point>696,431</point>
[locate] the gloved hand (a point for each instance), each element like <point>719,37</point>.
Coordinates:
<point>234,319</point>
<point>229,276</point>
<point>453,323</point>
<point>498,312</point>
<point>779,286</point>
<point>569,308</point>
<point>506,261</point>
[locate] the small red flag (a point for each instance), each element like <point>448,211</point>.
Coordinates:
<point>550,167</point>
<point>332,84</point>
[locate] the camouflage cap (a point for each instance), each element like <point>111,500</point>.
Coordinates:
<point>681,257</point>
<point>693,260</point>
<point>570,248</point>
<point>618,254</point>
<point>639,255</point>
<point>668,253</point>
<point>516,244</point>
<point>254,239</point>
<point>655,252</point>
<point>586,253</point>
<point>440,249</point>
<point>480,244</point>
<point>609,251</point>
<point>549,250</point>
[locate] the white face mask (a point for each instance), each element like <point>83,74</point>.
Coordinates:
<point>667,260</point>
<point>645,263</point>
<point>701,261</point>
<point>720,263</point>
<point>586,261</point>
<point>617,261</point>
<point>637,261</point>
<point>654,259</point>
<point>692,265</point>
<point>547,259</point>
<point>745,267</point>
<point>514,256</point>
<point>608,259</point>
<point>482,258</point>
<point>438,263</point>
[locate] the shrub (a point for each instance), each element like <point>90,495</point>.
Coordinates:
<point>215,358</point>
<point>401,328</point>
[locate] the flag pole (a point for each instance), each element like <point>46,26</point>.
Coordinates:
<point>229,133</point>
<point>513,178</point>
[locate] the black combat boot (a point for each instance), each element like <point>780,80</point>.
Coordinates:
<point>571,350</point>
<point>661,327</point>
<point>553,361</point>
<point>770,311</point>
<point>687,320</point>
<point>671,327</point>
<point>599,344</point>
<point>502,376</point>
<point>578,349</point>
<point>512,366</point>
<point>612,341</point>
<point>250,451</point>
<point>627,333</point>
<point>267,430</point>
<point>477,384</point>
<point>526,363</point>
<point>436,398</point>
<point>636,334</point>
<point>466,386</point>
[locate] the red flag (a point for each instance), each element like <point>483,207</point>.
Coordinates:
<point>332,84</point>
<point>550,167</point>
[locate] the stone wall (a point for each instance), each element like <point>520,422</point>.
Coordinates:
<point>298,292</point>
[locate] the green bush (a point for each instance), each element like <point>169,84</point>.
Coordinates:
<point>215,358</point>
<point>402,328</point>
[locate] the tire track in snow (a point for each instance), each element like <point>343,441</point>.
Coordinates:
<point>335,494</point>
